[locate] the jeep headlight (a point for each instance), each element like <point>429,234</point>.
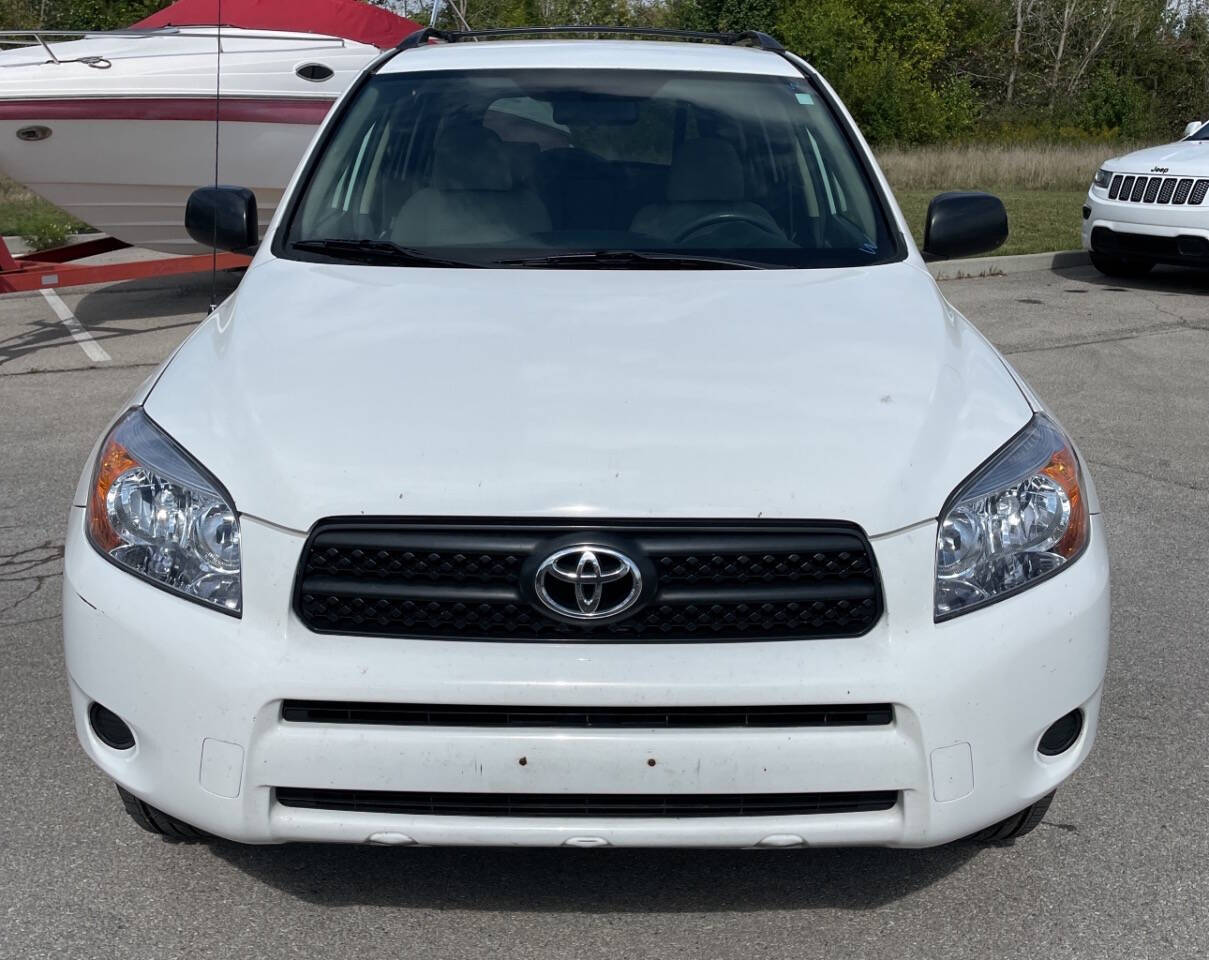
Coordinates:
<point>1102,178</point>
<point>1019,519</point>
<point>156,512</point>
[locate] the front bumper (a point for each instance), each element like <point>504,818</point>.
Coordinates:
<point>1163,233</point>
<point>203,693</point>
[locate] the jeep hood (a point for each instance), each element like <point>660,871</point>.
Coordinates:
<point>1188,157</point>
<point>331,390</point>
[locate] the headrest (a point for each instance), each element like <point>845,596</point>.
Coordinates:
<point>705,169</point>
<point>470,158</point>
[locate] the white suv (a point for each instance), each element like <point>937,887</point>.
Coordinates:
<point>1151,206</point>
<point>587,458</point>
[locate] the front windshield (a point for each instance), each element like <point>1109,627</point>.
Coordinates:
<point>1201,134</point>
<point>542,167</point>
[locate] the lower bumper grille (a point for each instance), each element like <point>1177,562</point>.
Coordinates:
<point>1190,250</point>
<point>587,805</point>
<point>458,715</point>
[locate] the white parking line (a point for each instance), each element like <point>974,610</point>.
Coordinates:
<point>96,353</point>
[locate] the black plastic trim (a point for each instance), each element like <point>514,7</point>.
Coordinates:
<point>571,805</point>
<point>421,37</point>
<point>576,717</point>
<point>1068,740</point>
<point>597,525</point>
<point>1144,246</point>
<point>119,736</point>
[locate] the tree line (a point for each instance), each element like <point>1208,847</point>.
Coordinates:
<point>912,71</point>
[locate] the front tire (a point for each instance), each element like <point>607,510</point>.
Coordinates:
<point>1125,267</point>
<point>1015,826</point>
<point>157,822</point>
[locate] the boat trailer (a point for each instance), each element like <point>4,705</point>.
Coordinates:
<point>58,267</point>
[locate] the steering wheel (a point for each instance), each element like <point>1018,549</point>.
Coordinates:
<point>713,219</point>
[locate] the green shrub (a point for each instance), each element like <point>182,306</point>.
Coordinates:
<point>33,219</point>
<point>1116,102</point>
<point>884,57</point>
<point>43,229</point>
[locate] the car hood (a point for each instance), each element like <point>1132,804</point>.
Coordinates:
<point>330,390</point>
<point>1189,157</point>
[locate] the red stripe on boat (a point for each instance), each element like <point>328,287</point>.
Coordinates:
<point>231,109</point>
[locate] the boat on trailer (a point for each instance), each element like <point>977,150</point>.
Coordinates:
<point>118,128</point>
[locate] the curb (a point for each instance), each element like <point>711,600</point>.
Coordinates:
<point>1001,266</point>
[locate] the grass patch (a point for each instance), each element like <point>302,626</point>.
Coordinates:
<point>1042,185</point>
<point>37,222</point>
<point>1038,220</point>
<point>1036,166</point>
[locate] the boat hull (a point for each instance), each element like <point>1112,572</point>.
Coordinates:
<point>119,130</point>
<point>132,178</point>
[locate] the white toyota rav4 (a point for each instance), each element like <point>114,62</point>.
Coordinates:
<point>1151,206</point>
<point>587,458</point>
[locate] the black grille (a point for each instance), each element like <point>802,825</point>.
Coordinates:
<point>465,581</point>
<point>1133,189</point>
<point>457,715</point>
<point>587,805</point>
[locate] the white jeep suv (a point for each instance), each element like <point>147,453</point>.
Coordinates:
<point>587,458</point>
<point>1151,206</point>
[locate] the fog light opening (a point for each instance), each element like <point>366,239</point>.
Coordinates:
<point>1193,246</point>
<point>1061,735</point>
<point>110,729</point>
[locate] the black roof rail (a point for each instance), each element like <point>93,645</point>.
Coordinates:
<point>746,37</point>
<point>421,37</point>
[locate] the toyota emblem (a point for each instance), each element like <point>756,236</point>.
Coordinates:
<point>588,582</point>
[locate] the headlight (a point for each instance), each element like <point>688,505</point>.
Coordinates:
<point>157,512</point>
<point>1019,519</point>
<point>1102,178</point>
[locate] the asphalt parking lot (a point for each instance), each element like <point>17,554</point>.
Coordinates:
<point>1120,868</point>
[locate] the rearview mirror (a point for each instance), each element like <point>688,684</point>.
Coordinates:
<point>961,224</point>
<point>224,218</point>
<point>1193,127</point>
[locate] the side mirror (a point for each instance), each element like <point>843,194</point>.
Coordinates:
<point>223,217</point>
<point>961,224</point>
<point>1193,128</point>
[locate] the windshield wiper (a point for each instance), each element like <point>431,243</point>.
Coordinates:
<point>632,258</point>
<point>376,251</point>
